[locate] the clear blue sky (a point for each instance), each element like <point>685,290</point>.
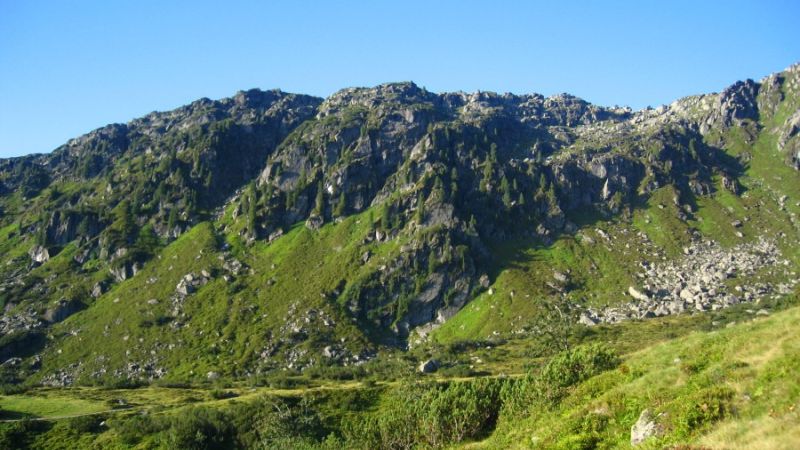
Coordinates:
<point>67,67</point>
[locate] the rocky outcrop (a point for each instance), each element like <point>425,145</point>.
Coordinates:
<point>39,254</point>
<point>124,270</point>
<point>191,282</point>
<point>738,102</point>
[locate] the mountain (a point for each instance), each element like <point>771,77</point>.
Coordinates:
<point>272,231</point>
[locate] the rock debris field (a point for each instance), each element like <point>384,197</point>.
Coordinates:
<point>707,277</point>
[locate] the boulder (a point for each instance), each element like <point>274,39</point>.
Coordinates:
<point>644,428</point>
<point>275,235</point>
<point>99,289</point>
<point>560,276</point>
<point>39,254</point>
<point>587,320</point>
<point>637,295</point>
<point>61,310</point>
<point>429,366</point>
<point>124,271</point>
<point>314,222</point>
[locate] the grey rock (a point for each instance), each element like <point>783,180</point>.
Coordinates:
<point>314,222</point>
<point>61,310</point>
<point>275,235</point>
<point>586,319</point>
<point>644,428</point>
<point>98,289</point>
<point>429,366</point>
<point>637,295</point>
<point>39,254</point>
<point>560,277</point>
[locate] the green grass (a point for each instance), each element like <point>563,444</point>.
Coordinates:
<point>47,404</point>
<point>746,371</point>
<point>749,367</point>
<point>226,325</point>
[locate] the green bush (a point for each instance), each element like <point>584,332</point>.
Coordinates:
<point>133,429</point>
<point>703,408</point>
<point>19,434</point>
<point>431,415</point>
<point>219,394</point>
<point>86,424</point>
<point>547,387</point>
<point>573,366</point>
<point>200,428</point>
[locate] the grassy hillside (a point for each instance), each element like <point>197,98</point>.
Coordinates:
<point>285,291</point>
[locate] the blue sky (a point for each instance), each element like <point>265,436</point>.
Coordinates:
<point>67,67</point>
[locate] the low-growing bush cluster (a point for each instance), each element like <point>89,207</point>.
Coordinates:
<point>545,388</point>
<point>414,413</point>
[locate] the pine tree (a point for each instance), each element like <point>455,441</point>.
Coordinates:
<point>420,215</point>
<point>341,205</point>
<point>251,210</point>
<point>123,223</point>
<point>506,190</point>
<point>438,189</point>
<point>83,226</point>
<point>453,184</point>
<point>433,263</point>
<point>319,201</point>
<point>386,216</point>
<point>147,241</point>
<point>488,174</point>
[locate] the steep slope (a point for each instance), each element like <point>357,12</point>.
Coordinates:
<point>278,231</point>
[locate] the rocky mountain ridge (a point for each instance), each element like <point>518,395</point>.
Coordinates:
<point>424,186</point>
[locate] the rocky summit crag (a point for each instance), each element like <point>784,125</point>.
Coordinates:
<point>273,231</point>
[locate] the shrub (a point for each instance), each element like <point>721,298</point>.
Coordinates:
<point>18,434</point>
<point>85,424</point>
<point>704,407</point>
<point>573,366</point>
<point>548,386</point>
<point>132,430</point>
<point>200,428</point>
<point>431,415</point>
<point>219,394</point>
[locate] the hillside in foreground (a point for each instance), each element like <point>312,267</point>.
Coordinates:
<point>732,387</point>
